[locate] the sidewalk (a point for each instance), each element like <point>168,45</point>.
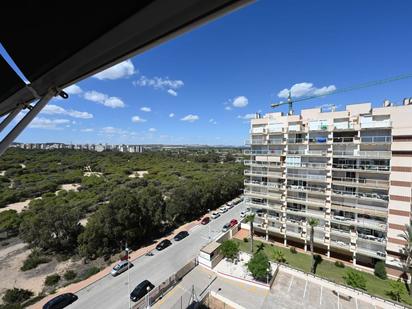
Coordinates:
<point>76,287</point>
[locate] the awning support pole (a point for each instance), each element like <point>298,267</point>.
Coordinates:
<point>15,132</point>
<point>10,117</point>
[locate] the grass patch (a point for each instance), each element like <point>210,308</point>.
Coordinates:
<point>33,260</point>
<point>326,269</point>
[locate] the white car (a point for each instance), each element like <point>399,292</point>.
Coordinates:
<point>222,209</point>
<point>243,214</point>
<point>215,215</point>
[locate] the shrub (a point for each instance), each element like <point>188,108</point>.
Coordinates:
<point>245,239</point>
<point>90,272</point>
<point>16,296</point>
<point>380,270</point>
<point>258,265</point>
<point>293,250</point>
<point>278,256</point>
<point>355,279</point>
<point>52,280</point>
<point>69,275</point>
<point>339,264</point>
<point>33,260</point>
<point>396,290</point>
<point>229,249</point>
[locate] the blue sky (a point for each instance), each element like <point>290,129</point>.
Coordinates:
<point>212,78</point>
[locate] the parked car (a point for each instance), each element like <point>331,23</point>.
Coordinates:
<point>215,215</point>
<point>141,290</point>
<point>60,301</point>
<point>181,235</point>
<point>226,227</point>
<point>229,205</point>
<point>120,267</point>
<point>233,222</point>
<point>222,209</point>
<point>163,244</point>
<point>243,214</point>
<point>205,220</point>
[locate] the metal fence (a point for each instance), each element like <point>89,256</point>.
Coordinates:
<point>158,292</point>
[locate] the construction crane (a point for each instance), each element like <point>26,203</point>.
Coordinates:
<point>290,101</point>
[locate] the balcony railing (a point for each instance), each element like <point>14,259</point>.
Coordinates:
<point>306,188</point>
<point>376,183</point>
<point>366,154</point>
<point>376,124</point>
<point>260,130</point>
<point>307,152</point>
<point>362,167</point>
<point>306,165</point>
<point>275,141</point>
<point>372,195</point>
<point>343,125</point>
<point>307,176</point>
<point>262,152</point>
<point>343,139</point>
<point>318,140</point>
<point>255,142</point>
<point>296,140</point>
<point>306,199</point>
<point>376,139</point>
<point>263,163</point>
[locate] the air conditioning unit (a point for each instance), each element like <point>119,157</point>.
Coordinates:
<point>387,103</point>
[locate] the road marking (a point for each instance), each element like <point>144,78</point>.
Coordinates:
<point>320,298</point>
<point>290,285</point>
<point>195,228</point>
<point>306,284</point>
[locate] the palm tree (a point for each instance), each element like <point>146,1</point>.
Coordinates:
<point>250,218</point>
<point>312,222</point>
<point>406,252</point>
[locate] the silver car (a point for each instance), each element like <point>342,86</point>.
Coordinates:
<point>120,267</point>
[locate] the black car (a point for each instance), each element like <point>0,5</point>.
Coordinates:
<point>60,301</point>
<point>163,244</point>
<point>141,290</point>
<point>181,235</point>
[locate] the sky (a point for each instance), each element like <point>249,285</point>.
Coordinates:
<point>203,86</point>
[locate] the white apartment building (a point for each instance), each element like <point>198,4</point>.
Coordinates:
<point>351,170</point>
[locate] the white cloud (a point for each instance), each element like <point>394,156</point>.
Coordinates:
<point>120,70</point>
<point>305,89</point>
<point>211,120</point>
<point>113,130</point>
<point>73,89</point>
<point>46,123</point>
<point>87,130</point>
<point>171,115</point>
<point>146,109</point>
<point>138,119</point>
<point>57,110</point>
<point>240,101</point>
<point>98,97</point>
<point>247,116</point>
<point>152,130</point>
<point>190,118</point>
<point>228,108</point>
<point>172,92</point>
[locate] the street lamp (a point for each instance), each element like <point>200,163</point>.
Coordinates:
<point>147,297</point>
<point>128,276</point>
<point>208,211</point>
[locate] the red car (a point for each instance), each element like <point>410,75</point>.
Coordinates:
<point>233,222</point>
<point>205,220</point>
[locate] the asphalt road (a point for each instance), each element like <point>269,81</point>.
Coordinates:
<point>112,292</point>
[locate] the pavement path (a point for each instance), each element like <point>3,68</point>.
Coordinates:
<point>113,292</point>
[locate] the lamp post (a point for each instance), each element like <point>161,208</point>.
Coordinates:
<point>128,276</point>
<point>208,211</point>
<point>147,297</point>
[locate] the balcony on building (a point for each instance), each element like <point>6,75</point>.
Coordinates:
<point>340,230</point>
<point>295,127</point>
<point>368,165</point>
<point>318,125</point>
<point>345,137</point>
<point>318,137</point>
<point>314,175</point>
<point>340,242</point>
<point>270,164</point>
<point>306,162</point>
<point>303,186</point>
<point>275,128</point>
<point>343,124</point>
<point>306,199</point>
<point>369,122</point>
<point>258,129</point>
<point>275,140</point>
<point>297,138</point>
<point>360,179</point>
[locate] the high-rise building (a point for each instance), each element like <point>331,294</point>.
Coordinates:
<point>351,170</point>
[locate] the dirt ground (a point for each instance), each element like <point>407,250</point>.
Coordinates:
<point>19,207</point>
<point>139,174</point>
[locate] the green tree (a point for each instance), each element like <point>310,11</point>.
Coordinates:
<point>396,290</point>
<point>259,265</point>
<point>355,279</point>
<point>16,296</point>
<point>380,270</point>
<point>229,249</point>
<point>312,223</point>
<point>279,256</point>
<point>250,218</point>
<point>10,220</point>
<point>406,253</point>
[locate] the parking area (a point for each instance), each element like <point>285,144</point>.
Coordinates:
<point>289,291</point>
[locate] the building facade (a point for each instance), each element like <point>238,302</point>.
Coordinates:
<point>351,170</point>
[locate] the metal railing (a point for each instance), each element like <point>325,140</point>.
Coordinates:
<point>306,188</point>
<point>262,152</point>
<point>363,167</point>
<point>263,163</point>
<point>376,139</point>
<point>296,140</point>
<point>367,154</point>
<point>343,139</point>
<point>307,176</point>
<point>306,165</point>
<point>363,181</point>
<point>372,195</point>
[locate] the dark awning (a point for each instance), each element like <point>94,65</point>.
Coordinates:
<point>56,44</point>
